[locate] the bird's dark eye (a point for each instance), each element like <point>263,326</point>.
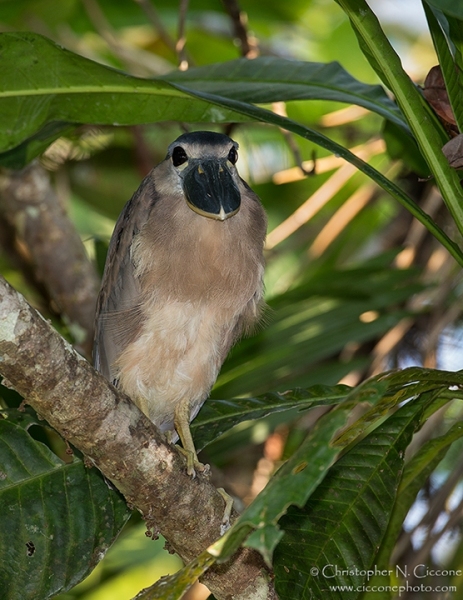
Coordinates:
<point>179,156</point>
<point>233,155</point>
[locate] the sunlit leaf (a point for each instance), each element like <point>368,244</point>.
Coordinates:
<point>428,132</point>
<point>398,387</point>
<point>292,484</point>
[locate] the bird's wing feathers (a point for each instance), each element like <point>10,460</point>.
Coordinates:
<point>118,317</point>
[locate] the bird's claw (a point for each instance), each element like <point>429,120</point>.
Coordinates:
<point>193,464</point>
<point>225,525</point>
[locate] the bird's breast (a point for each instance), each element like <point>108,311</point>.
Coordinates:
<point>200,282</point>
<point>192,258</point>
<point>176,357</point>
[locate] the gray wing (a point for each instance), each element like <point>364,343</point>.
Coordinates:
<point>118,317</point>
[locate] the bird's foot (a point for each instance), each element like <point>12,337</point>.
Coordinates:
<point>225,525</point>
<point>182,426</point>
<point>193,464</point>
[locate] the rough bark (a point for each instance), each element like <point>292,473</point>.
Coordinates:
<point>128,449</point>
<point>52,246</point>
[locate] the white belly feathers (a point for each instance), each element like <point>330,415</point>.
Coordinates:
<point>178,353</point>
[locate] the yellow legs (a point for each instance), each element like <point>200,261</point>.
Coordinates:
<point>182,426</point>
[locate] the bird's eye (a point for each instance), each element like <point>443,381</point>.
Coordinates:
<point>179,156</point>
<point>233,155</point>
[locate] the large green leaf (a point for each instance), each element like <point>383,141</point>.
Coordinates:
<point>270,79</point>
<point>39,99</point>
<point>292,484</point>
<point>59,518</point>
<point>218,416</point>
<point>43,85</point>
<point>400,386</point>
<point>333,540</point>
<point>416,473</point>
<point>398,403</point>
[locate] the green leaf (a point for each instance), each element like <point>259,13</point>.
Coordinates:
<point>292,484</point>
<point>415,475</point>
<point>419,376</point>
<point>383,429</point>
<point>269,79</point>
<point>401,146</point>
<point>426,459</point>
<point>333,540</point>
<point>68,88</point>
<point>218,416</point>
<point>449,7</point>
<point>429,134</point>
<point>23,418</point>
<point>397,387</point>
<point>173,587</point>
<point>61,518</point>
<point>65,88</point>
<point>439,27</point>
<point>34,145</point>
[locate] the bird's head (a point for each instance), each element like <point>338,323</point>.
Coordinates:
<point>205,163</point>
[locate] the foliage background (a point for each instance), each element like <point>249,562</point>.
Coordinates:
<point>355,286</point>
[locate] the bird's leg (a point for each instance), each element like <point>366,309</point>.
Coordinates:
<point>227,512</point>
<point>182,425</point>
<point>142,404</point>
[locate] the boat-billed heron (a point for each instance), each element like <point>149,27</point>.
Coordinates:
<point>182,281</point>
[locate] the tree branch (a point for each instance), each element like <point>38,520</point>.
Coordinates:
<point>128,449</point>
<point>30,206</point>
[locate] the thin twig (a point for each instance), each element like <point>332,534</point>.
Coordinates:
<point>248,43</point>
<point>102,25</point>
<point>279,108</point>
<point>183,63</point>
<point>136,60</point>
<point>153,17</point>
<point>436,507</point>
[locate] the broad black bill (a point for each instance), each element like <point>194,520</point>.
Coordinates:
<point>210,189</point>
